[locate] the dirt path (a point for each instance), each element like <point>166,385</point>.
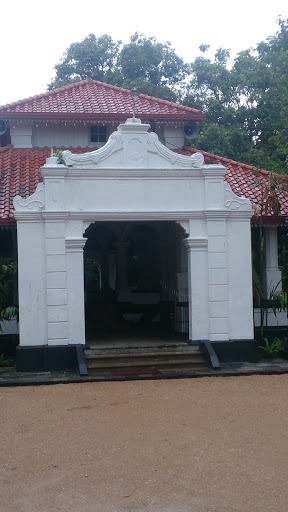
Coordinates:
<point>203,445</point>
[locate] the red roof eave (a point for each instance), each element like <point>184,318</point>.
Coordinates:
<point>269,219</point>
<point>100,116</point>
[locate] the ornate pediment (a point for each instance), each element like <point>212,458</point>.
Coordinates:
<point>34,203</point>
<point>234,202</point>
<point>133,147</point>
<point>92,159</point>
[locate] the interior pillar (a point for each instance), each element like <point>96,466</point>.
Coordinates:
<point>273,276</point>
<point>122,277</point>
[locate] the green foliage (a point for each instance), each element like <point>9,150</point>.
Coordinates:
<point>246,105</point>
<point>8,272</point>
<point>145,64</point>
<point>273,347</point>
<point>94,57</point>
<point>279,301</point>
<point>59,154</point>
<point>151,67</point>
<point>3,360</point>
<point>257,288</point>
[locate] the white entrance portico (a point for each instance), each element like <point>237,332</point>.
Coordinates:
<point>132,178</point>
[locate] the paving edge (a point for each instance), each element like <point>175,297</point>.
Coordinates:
<point>73,378</point>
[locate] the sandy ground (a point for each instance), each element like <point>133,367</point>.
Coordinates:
<point>203,445</point>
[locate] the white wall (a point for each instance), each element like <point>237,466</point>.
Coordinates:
<point>63,136</point>
<point>21,136</point>
<point>173,137</point>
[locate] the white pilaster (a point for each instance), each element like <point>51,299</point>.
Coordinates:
<point>240,276</point>
<point>198,288</point>
<point>218,276</point>
<point>75,290</point>
<point>56,278</point>
<point>32,280</point>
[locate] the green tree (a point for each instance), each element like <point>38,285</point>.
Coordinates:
<point>152,67</point>
<point>94,57</point>
<point>247,105</point>
<point>144,63</point>
<point>264,84</point>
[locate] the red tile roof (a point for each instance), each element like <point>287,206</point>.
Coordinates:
<point>242,179</point>
<point>19,174</point>
<point>90,99</point>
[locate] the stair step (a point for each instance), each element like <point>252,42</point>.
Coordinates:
<point>147,361</point>
<point>140,352</point>
<point>149,370</point>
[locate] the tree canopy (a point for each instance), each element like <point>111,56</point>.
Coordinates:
<point>94,57</point>
<point>144,63</point>
<point>246,104</point>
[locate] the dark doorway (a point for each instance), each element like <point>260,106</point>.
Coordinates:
<point>130,273</point>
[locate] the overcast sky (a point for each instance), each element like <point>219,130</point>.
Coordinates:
<point>34,35</point>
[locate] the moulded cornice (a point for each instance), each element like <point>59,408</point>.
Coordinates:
<point>228,214</point>
<point>111,173</point>
<point>55,216</point>
<point>58,171</point>
<point>136,215</point>
<point>75,244</point>
<point>24,216</point>
<point>240,215</point>
<point>211,214</point>
<point>196,244</point>
<point>214,171</point>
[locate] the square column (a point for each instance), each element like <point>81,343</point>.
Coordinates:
<point>218,276</point>
<point>75,290</point>
<point>55,227</point>
<point>198,288</point>
<point>32,280</point>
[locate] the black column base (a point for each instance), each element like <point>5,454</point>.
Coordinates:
<point>46,358</point>
<point>236,351</point>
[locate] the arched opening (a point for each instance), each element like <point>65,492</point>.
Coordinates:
<point>132,274</point>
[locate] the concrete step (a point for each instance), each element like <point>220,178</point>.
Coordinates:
<point>144,361</point>
<point>143,352</point>
<point>134,350</point>
<point>150,357</point>
<point>157,356</point>
<point>165,370</point>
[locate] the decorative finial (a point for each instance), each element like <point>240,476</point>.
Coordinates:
<point>135,94</point>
